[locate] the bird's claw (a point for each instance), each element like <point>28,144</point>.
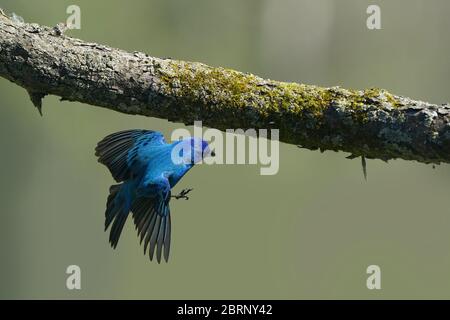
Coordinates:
<point>183,194</point>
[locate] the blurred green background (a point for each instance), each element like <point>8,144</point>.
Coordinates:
<point>308,232</point>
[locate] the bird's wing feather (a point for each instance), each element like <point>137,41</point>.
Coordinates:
<point>118,150</point>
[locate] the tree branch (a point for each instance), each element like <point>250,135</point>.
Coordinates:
<point>372,123</point>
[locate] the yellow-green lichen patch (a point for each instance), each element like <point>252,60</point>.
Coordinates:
<point>203,83</point>
<point>201,88</point>
<point>380,98</point>
<point>307,98</point>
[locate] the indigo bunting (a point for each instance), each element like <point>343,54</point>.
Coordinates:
<point>148,168</point>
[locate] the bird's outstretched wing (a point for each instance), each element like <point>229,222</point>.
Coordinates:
<point>151,217</point>
<point>118,150</point>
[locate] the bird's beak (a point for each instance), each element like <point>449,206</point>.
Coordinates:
<point>213,154</point>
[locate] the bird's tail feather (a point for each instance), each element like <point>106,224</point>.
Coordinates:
<point>117,209</point>
<point>152,221</point>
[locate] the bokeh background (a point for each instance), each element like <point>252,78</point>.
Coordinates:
<point>308,232</point>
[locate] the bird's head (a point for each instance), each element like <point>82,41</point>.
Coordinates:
<point>194,150</point>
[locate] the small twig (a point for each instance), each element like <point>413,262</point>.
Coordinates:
<point>364,166</point>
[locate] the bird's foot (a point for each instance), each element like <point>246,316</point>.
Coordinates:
<point>183,194</point>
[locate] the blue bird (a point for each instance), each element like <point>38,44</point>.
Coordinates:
<point>148,168</point>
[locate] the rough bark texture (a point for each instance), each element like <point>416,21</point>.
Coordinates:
<point>372,123</point>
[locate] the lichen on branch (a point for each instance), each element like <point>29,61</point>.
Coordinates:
<point>373,123</point>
